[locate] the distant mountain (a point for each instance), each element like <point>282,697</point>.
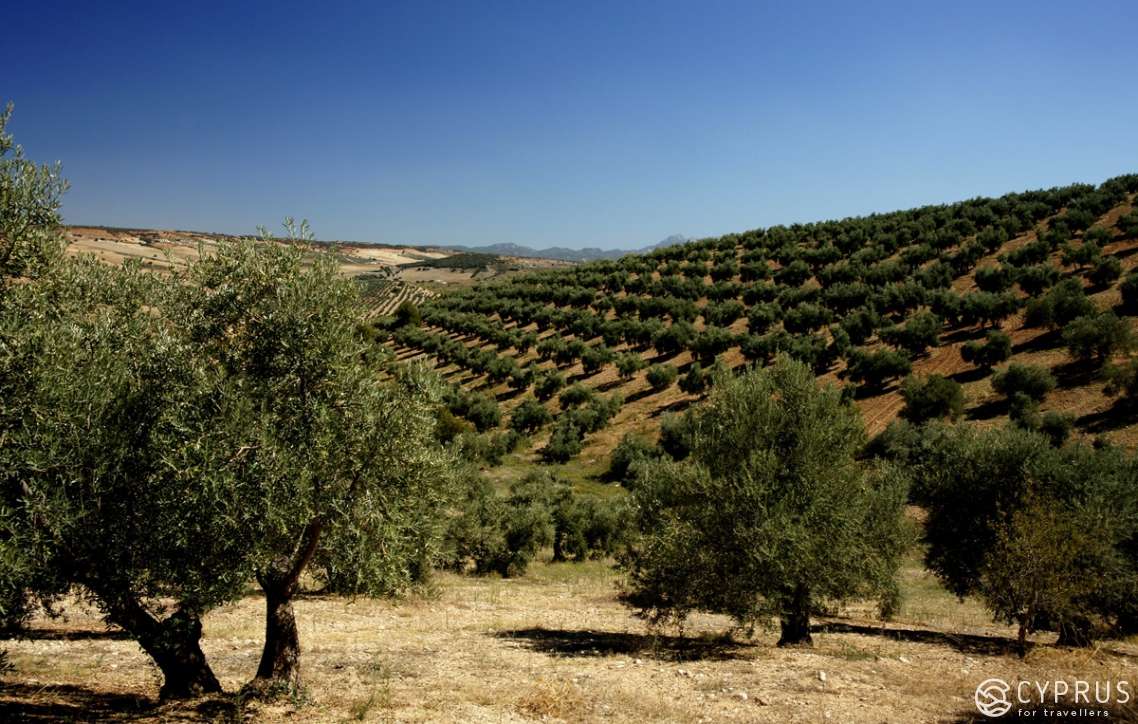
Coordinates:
<point>563,253</point>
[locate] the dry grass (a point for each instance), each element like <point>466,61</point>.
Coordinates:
<point>553,646</point>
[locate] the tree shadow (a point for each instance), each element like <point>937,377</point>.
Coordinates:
<point>677,406</point>
<point>970,375</point>
<point>1122,413</point>
<point>963,334</point>
<point>1068,710</point>
<point>1076,373</point>
<point>964,643</point>
<point>49,634</point>
<point>661,647</point>
<point>53,703</point>
<point>987,410</point>
<point>641,394</point>
<point>1048,340</point>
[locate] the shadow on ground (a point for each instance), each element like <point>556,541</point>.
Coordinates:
<point>48,634</point>
<point>560,642</point>
<point>38,703</point>
<point>965,643</point>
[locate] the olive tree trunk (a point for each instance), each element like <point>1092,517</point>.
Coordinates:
<point>279,670</point>
<point>795,620</point>
<point>174,643</point>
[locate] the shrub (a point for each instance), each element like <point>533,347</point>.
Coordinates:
<point>1057,426</point>
<point>565,442</point>
<point>1097,338</point>
<point>661,377</point>
<point>575,395</point>
<point>676,435</point>
<point>931,397</point>
<point>1034,382</point>
<point>1129,289</point>
<point>994,278</point>
<point>919,333</point>
<point>996,348</point>
<point>628,364</point>
<point>548,383</point>
<point>501,535</point>
<point>630,451</point>
<point>1128,224</point>
<point>594,358</point>
<point>1105,271</point>
<point>761,316</point>
<point>875,368</point>
<point>696,380</point>
<point>529,416</point>
<point>770,514</point>
<point>407,314</point>
<point>1039,533</point>
<point>1065,302</point>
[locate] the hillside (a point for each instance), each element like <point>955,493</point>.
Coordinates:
<point>850,297</point>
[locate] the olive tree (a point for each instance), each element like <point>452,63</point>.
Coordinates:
<point>336,456</point>
<point>770,514</point>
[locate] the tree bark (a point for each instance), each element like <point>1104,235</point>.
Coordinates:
<point>795,622</point>
<point>279,670</point>
<point>1077,632</point>
<point>173,643</point>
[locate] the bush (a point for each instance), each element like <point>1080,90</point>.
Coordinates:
<point>696,380</point>
<point>1065,302</point>
<point>917,334</point>
<point>1097,338</point>
<point>529,416</point>
<point>407,314</point>
<point>931,398</point>
<point>1105,271</point>
<point>501,535</point>
<point>628,364</point>
<point>575,396</point>
<point>548,384</point>
<point>661,377</point>
<point>630,451</point>
<point>1057,426</point>
<point>1034,382</point>
<point>1129,289</point>
<point>996,348</point>
<point>676,435</point>
<point>565,442</point>
<point>770,514</point>
<point>875,368</point>
<point>1039,533</point>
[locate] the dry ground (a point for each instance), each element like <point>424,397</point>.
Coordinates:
<point>554,646</point>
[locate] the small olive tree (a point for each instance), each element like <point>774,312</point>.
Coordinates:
<point>770,514</point>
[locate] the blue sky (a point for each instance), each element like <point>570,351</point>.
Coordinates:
<point>609,124</point>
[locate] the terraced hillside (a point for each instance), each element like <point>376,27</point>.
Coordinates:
<point>961,290</point>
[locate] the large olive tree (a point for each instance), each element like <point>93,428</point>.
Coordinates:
<point>345,465</point>
<point>770,514</point>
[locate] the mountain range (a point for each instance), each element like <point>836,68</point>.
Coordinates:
<point>564,253</point>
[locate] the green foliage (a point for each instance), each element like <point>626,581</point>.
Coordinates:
<point>407,314</point>
<point>932,397</point>
<point>1096,338</point>
<point>1065,302</point>
<point>548,383</point>
<point>628,364</point>
<point>1106,271</point>
<point>529,416</point>
<point>919,333</point>
<point>876,367</point>
<point>565,441</point>
<point>770,514</point>
<point>1040,533</point>
<point>996,348</point>
<point>661,377</point>
<point>1030,380</point>
<point>501,535</point>
<point>676,435</point>
<point>628,453</point>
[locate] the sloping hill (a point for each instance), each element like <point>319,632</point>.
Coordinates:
<point>850,297</point>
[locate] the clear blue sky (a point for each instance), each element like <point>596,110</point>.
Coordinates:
<point>610,124</point>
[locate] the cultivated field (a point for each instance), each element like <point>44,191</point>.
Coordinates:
<point>556,645</point>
